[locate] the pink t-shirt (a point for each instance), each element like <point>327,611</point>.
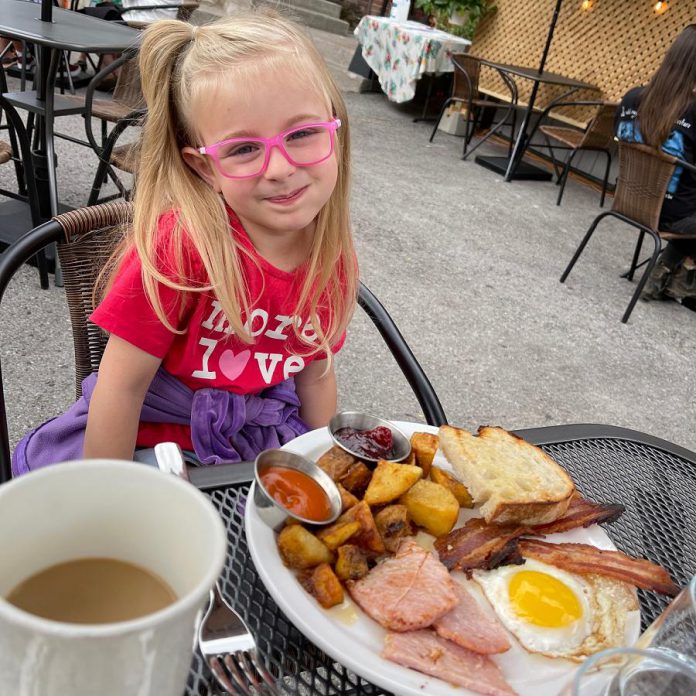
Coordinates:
<point>208,354</point>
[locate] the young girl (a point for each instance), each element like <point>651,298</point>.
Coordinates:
<point>236,284</point>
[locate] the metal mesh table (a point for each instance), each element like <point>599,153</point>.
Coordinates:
<point>654,479</point>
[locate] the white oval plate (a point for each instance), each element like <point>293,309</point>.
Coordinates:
<point>353,639</point>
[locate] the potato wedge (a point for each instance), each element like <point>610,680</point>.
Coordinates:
<point>393,523</point>
<point>368,537</point>
<point>321,582</point>
<point>357,478</point>
<point>336,462</point>
<point>425,446</point>
<point>300,549</point>
<point>389,481</point>
<point>351,562</point>
<point>431,506</point>
<point>448,480</point>
<point>347,498</point>
<point>411,459</point>
<point>338,534</point>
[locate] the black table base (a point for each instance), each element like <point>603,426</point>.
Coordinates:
<point>523,172</point>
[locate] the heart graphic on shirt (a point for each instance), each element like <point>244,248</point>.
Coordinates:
<point>232,365</point>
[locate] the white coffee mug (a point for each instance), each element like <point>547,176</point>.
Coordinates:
<point>105,509</point>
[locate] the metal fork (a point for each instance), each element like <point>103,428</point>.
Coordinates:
<point>224,639</point>
<point>229,648</point>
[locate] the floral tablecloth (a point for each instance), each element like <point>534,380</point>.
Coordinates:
<point>400,52</point>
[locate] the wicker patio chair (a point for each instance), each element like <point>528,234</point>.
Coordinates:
<point>86,239</point>
<point>644,174</point>
<point>465,91</point>
<point>598,136</point>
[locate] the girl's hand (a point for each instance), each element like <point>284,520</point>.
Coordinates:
<point>316,388</point>
<point>125,374</point>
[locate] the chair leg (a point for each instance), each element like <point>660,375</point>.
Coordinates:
<point>556,168</point>
<point>439,118</point>
<point>564,176</point>
<point>644,277</point>
<point>606,178</point>
<point>636,254</point>
<point>42,265</point>
<point>98,182</point>
<point>583,244</point>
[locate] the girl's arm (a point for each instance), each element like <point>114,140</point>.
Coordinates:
<point>125,374</point>
<point>317,392</point>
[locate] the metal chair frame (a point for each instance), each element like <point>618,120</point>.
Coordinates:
<point>562,172</point>
<point>79,226</point>
<point>646,220</point>
<point>475,105</point>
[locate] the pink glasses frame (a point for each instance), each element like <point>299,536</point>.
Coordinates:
<point>270,143</point>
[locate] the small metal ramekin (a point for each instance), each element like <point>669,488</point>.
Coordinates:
<point>401,447</point>
<point>269,509</point>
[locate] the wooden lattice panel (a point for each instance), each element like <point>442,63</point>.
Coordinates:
<point>615,45</point>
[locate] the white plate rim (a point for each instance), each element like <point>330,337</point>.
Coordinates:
<point>317,625</point>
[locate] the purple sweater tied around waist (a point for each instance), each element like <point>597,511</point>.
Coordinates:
<point>225,427</point>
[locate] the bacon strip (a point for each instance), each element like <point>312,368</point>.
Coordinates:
<point>584,559</point>
<point>478,545</point>
<point>582,513</point>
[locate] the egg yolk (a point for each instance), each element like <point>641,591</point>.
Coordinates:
<point>543,600</point>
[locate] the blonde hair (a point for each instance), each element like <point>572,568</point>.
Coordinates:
<point>179,62</point>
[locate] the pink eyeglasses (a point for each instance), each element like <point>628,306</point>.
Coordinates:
<point>302,146</point>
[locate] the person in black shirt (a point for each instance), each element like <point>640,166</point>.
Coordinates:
<point>663,114</point>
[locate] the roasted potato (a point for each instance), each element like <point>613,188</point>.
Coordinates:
<point>411,459</point>
<point>393,523</point>
<point>368,537</point>
<point>336,462</point>
<point>425,446</point>
<point>357,478</point>
<point>321,582</point>
<point>459,490</point>
<point>389,481</point>
<point>431,506</point>
<point>300,549</point>
<point>351,563</point>
<point>347,498</point>
<point>338,534</point>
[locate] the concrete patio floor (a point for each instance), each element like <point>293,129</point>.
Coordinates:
<point>467,265</point>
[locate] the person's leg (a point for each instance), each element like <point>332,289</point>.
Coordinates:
<point>680,256</point>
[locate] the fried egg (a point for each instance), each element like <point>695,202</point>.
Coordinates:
<point>556,613</point>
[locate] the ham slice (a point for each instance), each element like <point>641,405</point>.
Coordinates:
<point>427,652</point>
<point>471,627</point>
<point>406,592</point>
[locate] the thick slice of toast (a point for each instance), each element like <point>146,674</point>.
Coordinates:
<point>513,481</point>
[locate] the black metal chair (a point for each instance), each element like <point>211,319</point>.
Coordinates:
<point>644,174</point>
<point>598,136</point>
<point>465,91</point>
<point>86,238</point>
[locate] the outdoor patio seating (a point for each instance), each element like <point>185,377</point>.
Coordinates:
<point>644,174</point>
<point>597,137</point>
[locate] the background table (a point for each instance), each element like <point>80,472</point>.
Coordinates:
<point>654,479</point>
<point>401,52</point>
<point>69,31</point>
<point>513,167</point>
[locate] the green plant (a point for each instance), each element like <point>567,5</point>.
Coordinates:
<point>470,13</point>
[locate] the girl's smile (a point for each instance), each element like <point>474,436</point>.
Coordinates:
<point>282,202</point>
<point>288,199</point>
